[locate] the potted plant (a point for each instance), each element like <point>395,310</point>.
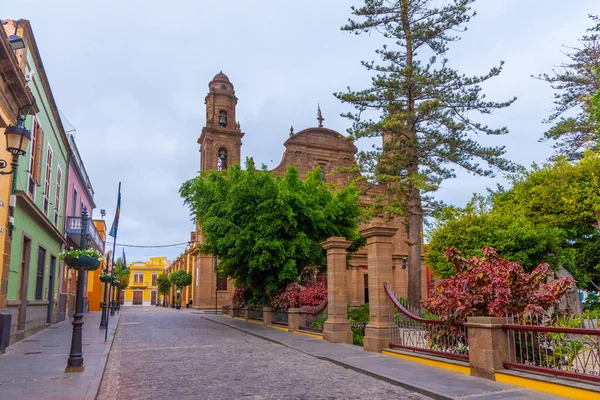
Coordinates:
<point>89,259</point>
<point>178,304</point>
<point>105,278</point>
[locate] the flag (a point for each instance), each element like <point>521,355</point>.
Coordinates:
<point>115,224</point>
<point>319,114</point>
<point>124,260</point>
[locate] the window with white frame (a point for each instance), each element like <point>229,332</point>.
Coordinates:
<point>138,277</point>
<point>57,194</point>
<point>46,204</point>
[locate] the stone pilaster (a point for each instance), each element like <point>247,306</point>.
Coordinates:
<point>337,327</point>
<point>293,319</point>
<point>379,256</point>
<point>267,316</point>
<point>488,345</point>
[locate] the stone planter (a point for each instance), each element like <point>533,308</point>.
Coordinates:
<point>88,263</point>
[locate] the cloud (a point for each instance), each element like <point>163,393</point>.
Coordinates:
<point>131,76</point>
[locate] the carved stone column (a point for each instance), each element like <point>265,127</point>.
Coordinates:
<point>379,256</point>
<point>337,327</point>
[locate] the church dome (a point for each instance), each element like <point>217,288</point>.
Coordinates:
<point>221,77</point>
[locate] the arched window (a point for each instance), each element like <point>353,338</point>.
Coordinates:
<point>222,118</point>
<point>222,159</point>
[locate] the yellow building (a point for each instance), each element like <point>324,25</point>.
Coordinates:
<point>142,289</point>
<point>95,288</point>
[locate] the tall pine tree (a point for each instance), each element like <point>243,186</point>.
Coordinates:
<point>421,108</point>
<point>576,82</point>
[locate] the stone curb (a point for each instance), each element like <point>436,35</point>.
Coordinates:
<point>388,379</point>
<point>94,388</point>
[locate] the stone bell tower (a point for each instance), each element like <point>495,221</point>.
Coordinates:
<point>221,138</point>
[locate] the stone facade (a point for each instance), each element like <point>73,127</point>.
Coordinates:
<point>220,147</point>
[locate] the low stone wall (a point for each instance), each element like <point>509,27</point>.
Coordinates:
<point>35,318</point>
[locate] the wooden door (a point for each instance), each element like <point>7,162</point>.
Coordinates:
<point>137,298</point>
<point>153,298</point>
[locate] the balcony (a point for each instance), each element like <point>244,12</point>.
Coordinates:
<point>73,230</point>
<point>138,284</point>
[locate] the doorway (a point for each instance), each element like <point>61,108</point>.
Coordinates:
<point>138,297</point>
<point>366,282</point>
<point>24,282</point>
<point>153,298</point>
<point>51,289</point>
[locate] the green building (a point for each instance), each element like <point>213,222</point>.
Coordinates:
<point>38,235</point>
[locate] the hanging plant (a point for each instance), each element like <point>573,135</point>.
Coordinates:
<point>105,278</point>
<point>89,259</point>
<point>115,282</point>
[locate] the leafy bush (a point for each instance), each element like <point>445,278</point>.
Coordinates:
<point>296,295</point>
<point>493,286</point>
<point>592,302</point>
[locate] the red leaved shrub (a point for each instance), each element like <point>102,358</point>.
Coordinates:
<point>493,286</point>
<point>296,295</point>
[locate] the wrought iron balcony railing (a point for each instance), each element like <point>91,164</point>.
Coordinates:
<point>73,230</point>
<point>138,284</point>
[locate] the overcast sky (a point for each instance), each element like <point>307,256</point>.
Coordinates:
<point>131,77</point>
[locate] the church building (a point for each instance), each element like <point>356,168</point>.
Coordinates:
<point>220,146</point>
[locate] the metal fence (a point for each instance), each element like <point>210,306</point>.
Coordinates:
<point>411,331</point>
<point>255,313</point>
<point>313,318</point>
<point>564,346</point>
<point>280,317</point>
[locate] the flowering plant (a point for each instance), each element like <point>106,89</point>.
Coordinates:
<point>76,253</point>
<point>494,286</point>
<point>296,295</point>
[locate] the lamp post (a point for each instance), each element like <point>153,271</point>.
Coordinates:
<point>75,362</point>
<point>103,319</point>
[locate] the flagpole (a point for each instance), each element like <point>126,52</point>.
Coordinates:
<point>112,265</point>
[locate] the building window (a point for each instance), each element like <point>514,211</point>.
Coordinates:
<point>223,119</point>
<point>47,181</point>
<point>57,195</point>
<point>35,159</point>
<point>74,210</point>
<point>39,278</point>
<point>221,283</point>
<point>154,277</point>
<point>222,159</point>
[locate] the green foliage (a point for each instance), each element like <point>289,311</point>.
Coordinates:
<point>163,283</point>
<point>551,214</point>
<point>575,83</point>
<point>265,229</point>
<point>478,225</point>
<point>425,111</point>
<point>319,321</point>
<point>358,335</point>
<point>121,274</point>
<point>357,315</point>
<point>591,306</point>
<point>75,253</point>
<point>178,301</point>
<point>180,278</point>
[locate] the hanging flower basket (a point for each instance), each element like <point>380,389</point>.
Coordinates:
<point>88,259</point>
<point>115,282</point>
<point>105,278</point>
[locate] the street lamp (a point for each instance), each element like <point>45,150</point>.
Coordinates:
<point>17,140</point>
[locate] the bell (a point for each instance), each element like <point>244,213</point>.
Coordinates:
<point>223,120</point>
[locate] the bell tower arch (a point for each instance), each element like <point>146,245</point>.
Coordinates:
<point>221,138</point>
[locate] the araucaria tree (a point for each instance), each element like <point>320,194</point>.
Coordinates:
<point>576,82</point>
<point>422,109</point>
<point>265,229</point>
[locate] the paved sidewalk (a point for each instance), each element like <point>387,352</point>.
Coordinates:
<point>434,382</point>
<point>34,368</point>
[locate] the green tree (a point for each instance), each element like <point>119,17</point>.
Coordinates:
<point>122,274</point>
<point>164,285</point>
<point>551,214</point>
<point>423,110</point>
<point>478,225</point>
<point>575,83</point>
<point>180,279</point>
<point>265,229</point>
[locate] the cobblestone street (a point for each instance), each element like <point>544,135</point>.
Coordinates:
<point>176,354</point>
